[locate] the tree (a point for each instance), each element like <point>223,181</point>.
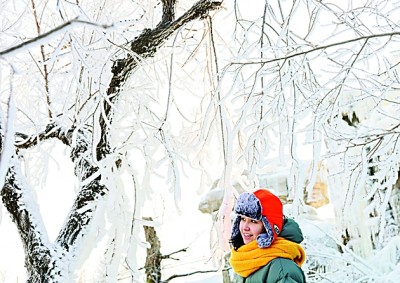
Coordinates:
<point>83,118</point>
<point>327,71</point>
<point>264,83</point>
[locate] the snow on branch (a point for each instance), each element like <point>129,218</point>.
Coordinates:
<point>6,140</point>
<point>319,48</point>
<point>145,46</point>
<point>147,43</point>
<point>81,214</point>
<point>44,37</point>
<point>17,198</point>
<point>52,131</point>
<point>80,139</point>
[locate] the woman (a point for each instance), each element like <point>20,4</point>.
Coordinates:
<point>265,243</point>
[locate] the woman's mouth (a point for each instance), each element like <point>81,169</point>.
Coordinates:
<point>247,236</point>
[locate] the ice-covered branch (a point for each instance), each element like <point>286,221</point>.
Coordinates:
<point>81,214</point>
<point>6,140</point>
<point>17,198</point>
<point>52,130</point>
<point>91,191</point>
<point>317,48</point>
<point>145,46</point>
<point>44,37</point>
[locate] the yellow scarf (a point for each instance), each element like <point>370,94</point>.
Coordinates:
<point>249,258</point>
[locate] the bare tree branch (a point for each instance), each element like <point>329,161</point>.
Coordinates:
<point>318,48</point>
<point>45,72</point>
<point>168,11</point>
<point>188,274</point>
<point>44,36</point>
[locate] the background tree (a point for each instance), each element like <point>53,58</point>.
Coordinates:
<point>135,90</point>
<point>75,101</point>
<point>325,73</point>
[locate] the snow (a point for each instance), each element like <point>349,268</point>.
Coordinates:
<point>317,225</point>
<point>11,261</point>
<point>177,219</point>
<point>200,279</point>
<point>7,150</point>
<point>195,232</point>
<point>189,229</point>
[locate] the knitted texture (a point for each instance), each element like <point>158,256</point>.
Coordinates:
<point>249,258</point>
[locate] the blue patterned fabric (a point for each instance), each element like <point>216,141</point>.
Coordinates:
<point>265,240</point>
<point>248,205</point>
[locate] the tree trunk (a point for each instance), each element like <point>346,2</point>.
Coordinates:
<point>41,257</point>
<point>154,257</point>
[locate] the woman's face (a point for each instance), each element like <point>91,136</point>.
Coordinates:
<point>250,228</point>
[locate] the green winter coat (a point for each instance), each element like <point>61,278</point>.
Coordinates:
<point>279,270</point>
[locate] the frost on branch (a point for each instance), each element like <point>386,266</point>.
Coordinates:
<point>21,205</point>
<point>75,103</point>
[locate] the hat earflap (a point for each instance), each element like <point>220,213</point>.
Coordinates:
<point>264,240</point>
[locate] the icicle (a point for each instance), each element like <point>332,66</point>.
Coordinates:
<point>317,142</point>
<point>386,259</point>
<point>8,144</point>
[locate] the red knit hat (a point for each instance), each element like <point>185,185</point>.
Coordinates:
<point>261,205</point>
